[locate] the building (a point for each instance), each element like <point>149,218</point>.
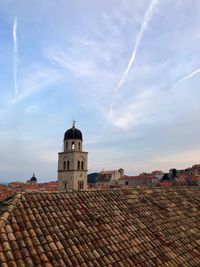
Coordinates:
<point>32,181</point>
<point>140,180</point>
<point>5,192</point>
<point>16,184</point>
<point>72,162</point>
<point>49,186</point>
<point>111,228</point>
<point>158,174</point>
<point>91,179</point>
<point>106,178</point>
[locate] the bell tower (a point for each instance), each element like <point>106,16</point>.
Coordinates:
<point>72,162</point>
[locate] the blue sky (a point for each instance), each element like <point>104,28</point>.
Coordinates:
<point>127,71</point>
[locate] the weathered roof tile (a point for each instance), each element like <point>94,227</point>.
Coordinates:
<point>156,227</point>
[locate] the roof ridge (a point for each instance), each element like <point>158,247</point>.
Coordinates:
<point>8,208</point>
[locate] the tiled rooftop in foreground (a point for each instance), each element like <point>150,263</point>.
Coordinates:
<point>124,227</point>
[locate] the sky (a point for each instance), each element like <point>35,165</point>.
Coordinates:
<point>127,71</point>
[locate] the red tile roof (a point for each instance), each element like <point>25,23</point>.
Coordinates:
<point>165,183</point>
<point>140,177</point>
<point>15,184</point>
<point>129,227</point>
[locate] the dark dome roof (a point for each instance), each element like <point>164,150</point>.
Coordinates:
<point>73,133</point>
<point>33,178</point>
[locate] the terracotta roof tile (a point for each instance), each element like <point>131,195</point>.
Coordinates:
<point>129,227</point>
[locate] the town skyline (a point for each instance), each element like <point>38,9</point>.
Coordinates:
<point>125,71</point>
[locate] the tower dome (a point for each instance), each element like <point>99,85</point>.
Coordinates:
<point>73,133</point>
<point>33,178</point>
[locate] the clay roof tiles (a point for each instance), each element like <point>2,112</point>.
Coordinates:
<point>125,227</point>
<point>139,177</point>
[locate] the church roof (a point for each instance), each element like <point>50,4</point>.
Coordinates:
<point>124,227</point>
<point>33,178</point>
<point>73,133</point>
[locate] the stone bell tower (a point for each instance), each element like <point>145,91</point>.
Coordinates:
<point>72,162</point>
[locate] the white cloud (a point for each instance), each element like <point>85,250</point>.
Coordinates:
<point>35,79</point>
<point>133,111</point>
<point>126,113</point>
<point>15,55</point>
<point>186,77</point>
<point>147,18</point>
<point>79,67</point>
<point>33,108</point>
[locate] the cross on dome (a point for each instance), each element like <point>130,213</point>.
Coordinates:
<point>74,123</point>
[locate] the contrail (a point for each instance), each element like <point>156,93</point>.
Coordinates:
<point>147,18</point>
<point>190,75</point>
<point>15,55</point>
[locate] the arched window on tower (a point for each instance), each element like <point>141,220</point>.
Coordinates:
<point>80,185</point>
<point>68,165</point>
<point>82,165</point>
<point>79,145</point>
<point>64,165</point>
<point>78,165</point>
<point>73,146</point>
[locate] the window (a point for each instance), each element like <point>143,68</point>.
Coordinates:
<point>64,165</point>
<point>73,146</point>
<point>79,145</point>
<point>64,185</point>
<point>68,165</point>
<point>80,185</point>
<point>78,165</point>
<point>66,145</point>
<point>82,165</point>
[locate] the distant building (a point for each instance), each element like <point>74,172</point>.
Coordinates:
<point>140,180</point>
<point>91,179</point>
<point>5,192</point>
<point>106,178</point>
<point>16,184</point>
<point>158,174</point>
<point>32,181</point>
<point>72,162</point>
<point>49,186</point>
<point>165,183</point>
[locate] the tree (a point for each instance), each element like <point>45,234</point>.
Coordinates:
<point>165,177</point>
<point>172,173</point>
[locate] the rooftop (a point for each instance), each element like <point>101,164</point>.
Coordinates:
<point>124,227</point>
<point>139,177</point>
